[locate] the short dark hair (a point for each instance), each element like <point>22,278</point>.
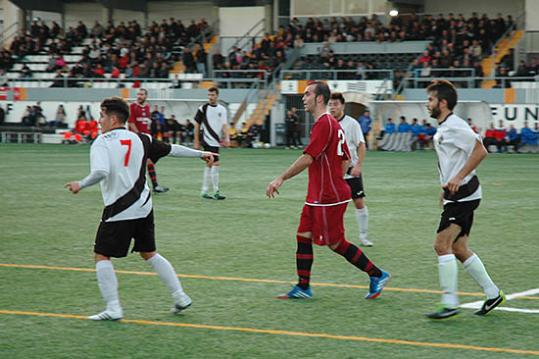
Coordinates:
<point>321,89</point>
<point>337,96</point>
<point>143,89</point>
<point>214,89</point>
<point>444,90</point>
<point>116,106</point>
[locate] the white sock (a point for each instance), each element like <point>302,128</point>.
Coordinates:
<point>108,284</point>
<point>476,269</point>
<point>215,178</point>
<point>447,269</point>
<point>167,273</point>
<point>206,179</point>
<point>362,216</point>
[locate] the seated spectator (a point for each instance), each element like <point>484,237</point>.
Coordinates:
<point>28,117</point>
<point>189,131</point>
<point>500,134</point>
<point>490,138</point>
<point>418,135</point>
<point>529,138</point>
<point>175,131</point>
<point>512,138</point>
<point>404,126</point>
<point>430,131</point>
<point>59,118</point>
<point>389,128</point>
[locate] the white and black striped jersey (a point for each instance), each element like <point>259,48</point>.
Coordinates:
<point>122,155</point>
<point>454,142</point>
<point>354,137</point>
<point>211,118</point>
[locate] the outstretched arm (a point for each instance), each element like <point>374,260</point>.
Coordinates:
<point>182,151</point>
<point>297,167</point>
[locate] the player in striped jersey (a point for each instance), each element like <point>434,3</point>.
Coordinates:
<point>118,162</point>
<point>327,157</point>
<point>210,125</point>
<point>460,150</point>
<point>353,176</point>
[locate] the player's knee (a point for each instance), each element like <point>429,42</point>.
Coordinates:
<point>147,255</point>
<point>442,245</point>
<point>359,203</point>
<point>99,257</point>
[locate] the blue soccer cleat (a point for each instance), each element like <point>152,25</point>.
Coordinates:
<point>377,285</point>
<point>297,293</point>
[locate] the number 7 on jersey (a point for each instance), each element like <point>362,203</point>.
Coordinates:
<point>128,153</point>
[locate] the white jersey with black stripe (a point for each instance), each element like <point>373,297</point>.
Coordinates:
<point>211,118</point>
<point>454,142</point>
<point>120,153</point>
<point>354,137</point>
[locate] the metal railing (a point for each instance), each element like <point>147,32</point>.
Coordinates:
<point>442,71</point>
<point>466,82</point>
<point>337,74</point>
<point>150,83</point>
<point>248,36</point>
<point>261,75</point>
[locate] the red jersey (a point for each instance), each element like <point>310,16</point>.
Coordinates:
<point>140,116</point>
<point>328,149</point>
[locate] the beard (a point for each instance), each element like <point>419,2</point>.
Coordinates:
<point>435,112</point>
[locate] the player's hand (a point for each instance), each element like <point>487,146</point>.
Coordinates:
<point>273,187</point>
<point>208,157</point>
<point>454,184</point>
<point>74,187</point>
<point>226,142</point>
<point>356,171</point>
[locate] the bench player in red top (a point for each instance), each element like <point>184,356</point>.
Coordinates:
<point>140,122</point>
<point>327,157</point>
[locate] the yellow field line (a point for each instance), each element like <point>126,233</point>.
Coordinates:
<point>288,333</point>
<point>247,280</point>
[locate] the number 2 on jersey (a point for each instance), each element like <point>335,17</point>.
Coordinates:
<point>128,153</point>
<point>342,139</point>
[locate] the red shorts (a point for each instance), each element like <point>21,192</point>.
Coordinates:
<point>326,223</point>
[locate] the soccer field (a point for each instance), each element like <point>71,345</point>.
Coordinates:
<point>235,256</point>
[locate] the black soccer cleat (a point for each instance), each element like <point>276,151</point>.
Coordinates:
<point>490,304</point>
<point>443,313</point>
<point>160,189</point>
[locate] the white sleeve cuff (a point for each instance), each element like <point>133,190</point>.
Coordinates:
<point>182,151</point>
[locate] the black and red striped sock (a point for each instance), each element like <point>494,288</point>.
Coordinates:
<point>153,175</point>
<point>304,261</point>
<point>356,256</point>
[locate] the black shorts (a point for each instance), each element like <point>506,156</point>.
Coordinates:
<point>114,238</point>
<point>212,149</point>
<point>356,185</point>
<point>459,213</point>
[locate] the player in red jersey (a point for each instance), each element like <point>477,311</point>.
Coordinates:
<point>328,194</point>
<point>140,122</point>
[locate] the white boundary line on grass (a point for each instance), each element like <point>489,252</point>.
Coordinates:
<point>479,303</point>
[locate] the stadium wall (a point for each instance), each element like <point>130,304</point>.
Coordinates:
<point>89,12</point>
<point>466,7</point>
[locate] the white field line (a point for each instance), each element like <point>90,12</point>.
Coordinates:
<point>479,303</point>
